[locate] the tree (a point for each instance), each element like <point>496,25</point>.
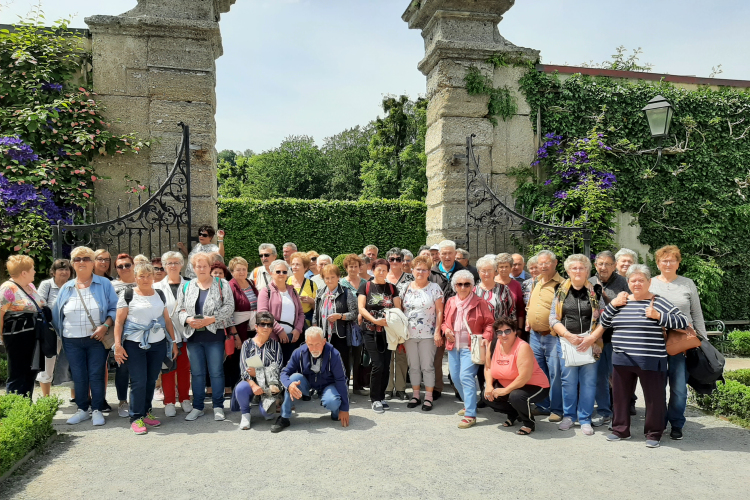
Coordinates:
<point>343,154</point>
<point>227,155</point>
<point>621,61</point>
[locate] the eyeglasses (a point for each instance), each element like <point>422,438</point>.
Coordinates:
<point>503,332</point>
<point>81,259</point>
<point>668,262</point>
<point>100,259</point>
<point>265,255</point>
<point>395,259</point>
<point>203,235</point>
<point>464,285</point>
<point>420,270</point>
<point>124,266</point>
<point>159,269</point>
<point>265,325</point>
<point>279,271</point>
<point>172,264</point>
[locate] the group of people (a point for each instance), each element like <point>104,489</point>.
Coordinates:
<point>521,339</point>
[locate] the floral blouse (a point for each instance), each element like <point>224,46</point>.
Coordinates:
<point>420,310</point>
<point>14,303</point>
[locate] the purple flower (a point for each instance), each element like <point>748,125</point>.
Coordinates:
<point>548,182</point>
<point>561,194</point>
<point>52,87</point>
<point>17,150</point>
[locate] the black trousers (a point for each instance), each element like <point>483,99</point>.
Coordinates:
<point>653,384</point>
<point>356,363</point>
<point>341,346</point>
<point>377,348</point>
<point>20,350</point>
<point>517,404</point>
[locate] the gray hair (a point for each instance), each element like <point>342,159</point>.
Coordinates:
<point>143,268</point>
<point>314,331</point>
<point>547,253</point>
<point>273,265</point>
<point>406,253</point>
<point>264,315</point>
<point>324,257</point>
<point>605,254</point>
<point>268,246</point>
<point>577,257</point>
<point>639,269</point>
<point>289,244</point>
<point>447,244</point>
<point>393,251</point>
<point>459,275</point>
<point>464,253</point>
<point>172,255</point>
<point>626,251</point>
<point>533,260</point>
<point>486,261</point>
<point>370,247</point>
<point>503,258</point>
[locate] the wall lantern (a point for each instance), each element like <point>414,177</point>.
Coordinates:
<point>659,115</point>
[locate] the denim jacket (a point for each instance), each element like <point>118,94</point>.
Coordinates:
<point>101,289</point>
<point>133,328</point>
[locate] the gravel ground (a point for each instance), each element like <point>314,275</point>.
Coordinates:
<point>401,454</point>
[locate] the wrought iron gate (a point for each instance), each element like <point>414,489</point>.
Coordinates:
<point>152,228</point>
<point>493,227</point>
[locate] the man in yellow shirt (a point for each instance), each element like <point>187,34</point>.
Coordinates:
<point>544,343</point>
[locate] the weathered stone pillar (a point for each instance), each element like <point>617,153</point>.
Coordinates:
<point>459,34</point>
<point>154,66</point>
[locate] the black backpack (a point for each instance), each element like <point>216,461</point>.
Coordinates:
<point>705,365</point>
<point>128,296</point>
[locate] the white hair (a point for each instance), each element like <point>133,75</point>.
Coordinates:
<point>547,253</point>
<point>447,244</point>
<point>324,257</point>
<point>638,269</point>
<point>626,251</point>
<point>172,255</point>
<point>289,244</point>
<point>533,260</point>
<point>504,258</point>
<point>369,247</point>
<point>486,261</point>
<point>406,253</point>
<point>314,331</point>
<point>577,257</point>
<point>268,246</point>
<point>459,275</point>
<point>273,265</point>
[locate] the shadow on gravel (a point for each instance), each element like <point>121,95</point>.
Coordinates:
<point>30,471</point>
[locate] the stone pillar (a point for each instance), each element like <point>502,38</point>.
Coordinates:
<point>154,66</point>
<point>459,34</point>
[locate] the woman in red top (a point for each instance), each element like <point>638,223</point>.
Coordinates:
<point>514,379</point>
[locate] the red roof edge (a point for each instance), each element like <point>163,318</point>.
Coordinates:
<point>642,75</point>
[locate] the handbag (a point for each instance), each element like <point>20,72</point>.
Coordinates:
<point>45,332</point>
<point>109,338</point>
<point>229,345</point>
<point>572,356</point>
<point>477,349</point>
<point>679,340</point>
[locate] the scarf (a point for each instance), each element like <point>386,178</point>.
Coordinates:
<point>561,294</point>
<point>328,309</point>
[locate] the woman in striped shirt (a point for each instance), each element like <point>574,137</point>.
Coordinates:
<point>640,353</point>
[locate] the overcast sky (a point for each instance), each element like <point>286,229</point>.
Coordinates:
<point>316,67</point>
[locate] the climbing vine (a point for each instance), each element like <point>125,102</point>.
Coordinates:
<point>502,101</point>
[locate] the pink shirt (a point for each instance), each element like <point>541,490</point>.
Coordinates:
<point>459,324</point>
<point>505,368</point>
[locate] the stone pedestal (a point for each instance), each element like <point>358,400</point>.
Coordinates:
<point>154,67</point>
<point>459,34</point>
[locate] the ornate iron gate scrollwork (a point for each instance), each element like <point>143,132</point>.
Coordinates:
<point>491,220</point>
<point>153,227</point>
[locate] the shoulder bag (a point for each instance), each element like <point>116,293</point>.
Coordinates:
<point>477,349</point>
<point>572,356</point>
<point>45,332</point>
<point>109,338</point>
<point>679,340</point>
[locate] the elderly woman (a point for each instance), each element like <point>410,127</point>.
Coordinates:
<point>514,378</point>
<point>423,305</point>
<point>261,349</point>
<point>243,319</point>
<point>365,270</point>
<point>204,245</point>
<point>83,313</point>
<point>18,308</point>
<point>640,353</point>
<point>397,275</point>
<point>283,303</point>
<point>125,267</point>
<point>408,258</point>
<point>306,288</point>
<point>465,315</point>
<point>102,263</point>
<point>353,264</point>
<point>681,292</point>
<point>504,266</point>
<point>528,285</point>
<point>231,373</point>
<point>159,272</point>
<point>624,258</point>
<point>323,261</point>
<point>170,286</point>
<point>205,305</point>
<point>399,364</point>
<point>313,256</point>
<point>335,310</point>
<point>141,329</point>
<point>373,298</point>
<point>61,271</point>
<point>573,317</point>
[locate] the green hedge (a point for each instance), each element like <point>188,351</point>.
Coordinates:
<point>3,366</point>
<point>731,399</point>
<point>330,227</point>
<point>739,343</point>
<point>23,426</point>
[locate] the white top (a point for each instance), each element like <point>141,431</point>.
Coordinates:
<point>419,308</point>
<point>172,309</point>
<point>48,290</point>
<point>287,312</point>
<point>143,310</point>
<point>76,324</point>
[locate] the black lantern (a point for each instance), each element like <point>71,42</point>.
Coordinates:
<point>659,115</point>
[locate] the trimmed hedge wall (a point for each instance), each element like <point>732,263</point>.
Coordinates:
<point>23,426</point>
<point>330,227</point>
<point>731,399</point>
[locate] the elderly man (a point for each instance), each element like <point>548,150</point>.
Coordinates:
<point>408,257</point>
<point>517,271</point>
<point>612,284</point>
<point>316,365</point>
<point>624,258</point>
<point>371,251</point>
<point>435,254</point>
<point>323,261</point>
<point>287,250</point>
<point>261,275</point>
<point>462,256</point>
<point>544,343</point>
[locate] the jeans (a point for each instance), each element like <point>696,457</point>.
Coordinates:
<point>87,358</point>
<point>579,391</point>
<point>464,374</point>
<point>122,378</point>
<point>678,376</point>
<point>604,372</point>
<point>549,357</point>
<point>20,349</point>
<point>207,357</point>
<point>329,397</point>
<point>144,369</point>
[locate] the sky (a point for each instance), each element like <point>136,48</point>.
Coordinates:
<point>317,67</point>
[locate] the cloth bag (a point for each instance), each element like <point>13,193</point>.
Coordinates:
<point>572,356</point>
<point>477,349</point>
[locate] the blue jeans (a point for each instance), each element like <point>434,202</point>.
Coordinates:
<point>87,358</point>
<point>604,372</point>
<point>122,378</point>
<point>549,357</point>
<point>464,376</point>
<point>678,376</point>
<point>579,391</point>
<point>144,369</point>
<point>207,357</point>
<point>330,397</point>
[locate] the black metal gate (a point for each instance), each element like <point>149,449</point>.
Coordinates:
<point>493,227</point>
<point>152,228</point>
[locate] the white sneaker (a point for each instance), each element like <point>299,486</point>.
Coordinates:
<point>170,410</point>
<point>158,394</point>
<point>97,418</point>
<point>194,414</point>
<point>245,421</point>
<point>219,414</point>
<point>123,409</point>
<point>187,406</point>
<point>566,424</point>
<point>587,429</point>
<point>79,417</point>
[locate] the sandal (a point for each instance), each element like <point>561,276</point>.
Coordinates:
<point>524,431</point>
<point>413,403</point>
<point>508,423</point>
<point>467,422</point>
<point>425,406</point>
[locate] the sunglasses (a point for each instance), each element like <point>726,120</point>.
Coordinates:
<point>124,266</point>
<point>313,259</point>
<point>503,332</point>
<point>265,325</point>
<point>81,259</point>
<point>464,285</point>
<point>279,271</point>
<point>395,259</point>
<point>203,235</point>
<point>159,269</point>
<point>100,259</point>
<point>265,255</point>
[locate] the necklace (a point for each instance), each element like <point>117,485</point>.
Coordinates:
<point>86,283</point>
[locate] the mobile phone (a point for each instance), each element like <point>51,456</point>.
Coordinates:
<point>199,316</point>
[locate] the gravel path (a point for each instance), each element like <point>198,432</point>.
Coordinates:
<point>401,454</point>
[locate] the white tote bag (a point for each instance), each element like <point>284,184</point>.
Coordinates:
<point>477,349</point>
<point>572,356</point>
